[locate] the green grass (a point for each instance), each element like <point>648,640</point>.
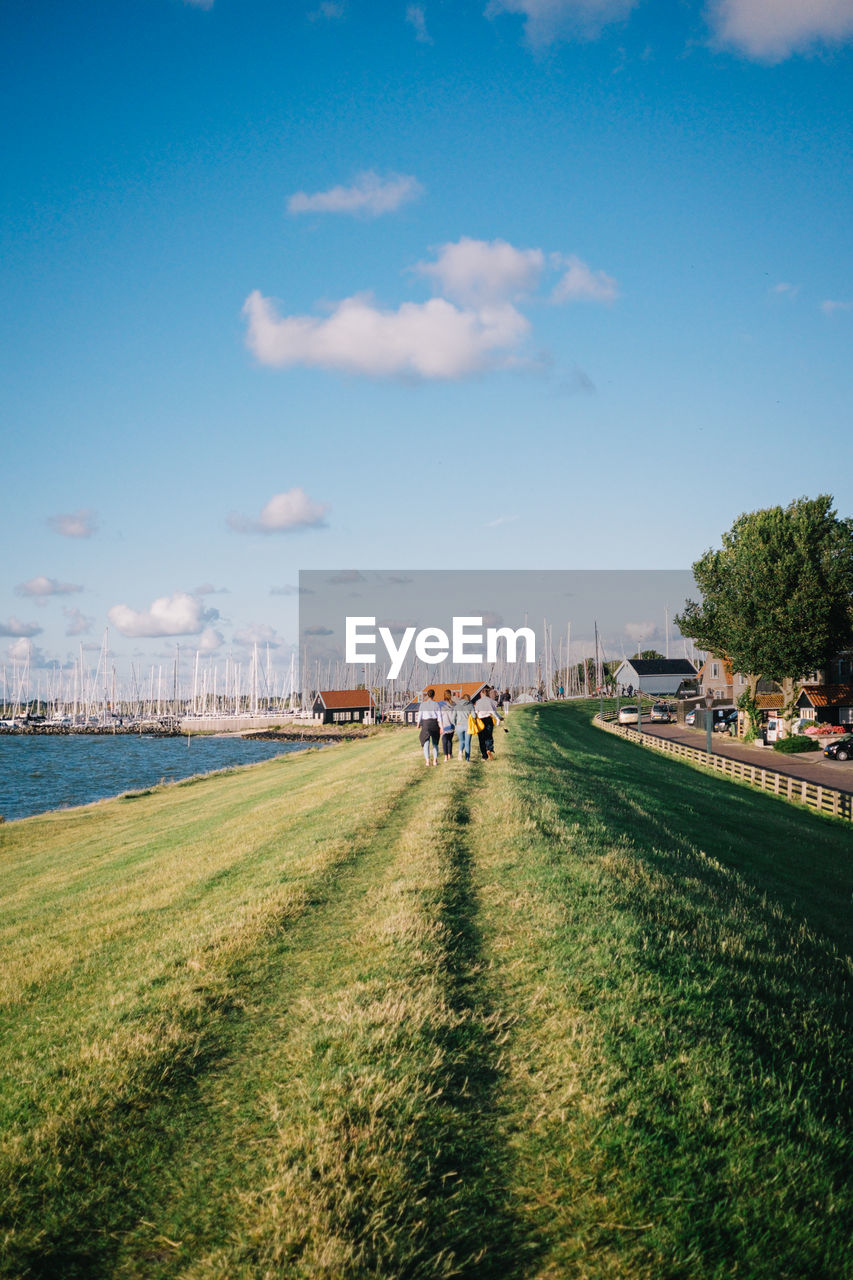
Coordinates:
<point>581,1011</point>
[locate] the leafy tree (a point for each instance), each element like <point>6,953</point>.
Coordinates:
<point>777,598</point>
<point>647,655</point>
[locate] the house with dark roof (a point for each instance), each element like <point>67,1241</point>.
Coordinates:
<point>343,706</point>
<point>826,703</point>
<point>658,677</point>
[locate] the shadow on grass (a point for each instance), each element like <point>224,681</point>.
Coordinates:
<point>474,1173</point>
<point>803,860</point>
<point>717,965</point>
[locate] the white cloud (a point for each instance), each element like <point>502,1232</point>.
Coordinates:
<point>416,17</point>
<point>42,586</point>
<point>24,650</point>
<point>78,623</point>
<point>434,339</point>
<point>179,614</point>
<point>480,273</point>
<point>785,290</point>
<point>76,524</point>
<point>368,196</point>
<point>581,284</point>
<point>474,326</point>
<point>14,627</point>
<point>284,513</point>
<point>830,306</point>
<point>549,20</point>
<point>772,30</point>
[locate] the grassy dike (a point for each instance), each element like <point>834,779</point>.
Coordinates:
<point>580,1012</point>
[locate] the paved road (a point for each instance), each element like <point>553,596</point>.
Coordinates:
<point>812,765</point>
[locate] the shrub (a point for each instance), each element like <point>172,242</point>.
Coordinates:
<point>790,746</point>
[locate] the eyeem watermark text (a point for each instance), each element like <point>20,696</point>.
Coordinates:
<point>467,643</point>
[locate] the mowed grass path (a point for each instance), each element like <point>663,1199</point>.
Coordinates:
<point>581,1011</point>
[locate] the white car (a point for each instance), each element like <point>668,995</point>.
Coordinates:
<point>628,715</point>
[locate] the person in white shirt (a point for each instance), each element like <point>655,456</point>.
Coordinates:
<point>446,724</point>
<point>429,718</point>
<point>461,711</point>
<point>486,708</point>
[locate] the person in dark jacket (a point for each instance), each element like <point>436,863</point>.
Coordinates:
<point>429,718</point>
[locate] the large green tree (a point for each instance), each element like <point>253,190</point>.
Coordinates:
<point>777,598</point>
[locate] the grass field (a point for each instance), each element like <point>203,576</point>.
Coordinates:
<point>581,1011</point>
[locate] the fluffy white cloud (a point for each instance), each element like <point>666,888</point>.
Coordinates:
<point>830,306</point>
<point>369,196</point>
<point>75,524</point>
<point>42,586</point>
<point>179,614</point>
<point>476,324</point>
<point>416,18</point>
<point>549,20</point>
<point>25,651</point>
<point>580,283</point>
<point>14,627</point>
<point>771,30</point>
<point>480,273</point>
<point>433,339</point>
<point>284,513</point>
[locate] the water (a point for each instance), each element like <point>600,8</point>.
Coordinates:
<point>38,773</point>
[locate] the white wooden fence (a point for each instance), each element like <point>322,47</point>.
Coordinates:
<point>816,796</point>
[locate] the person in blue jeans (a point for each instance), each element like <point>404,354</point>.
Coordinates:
<point>462,708</point>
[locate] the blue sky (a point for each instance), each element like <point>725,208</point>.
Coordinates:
<point>543,284</point>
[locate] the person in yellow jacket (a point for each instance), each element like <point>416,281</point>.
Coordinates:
<point>486,710</point>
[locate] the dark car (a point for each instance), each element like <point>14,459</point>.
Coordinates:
<point>840,749</point>
<point>724,720</point>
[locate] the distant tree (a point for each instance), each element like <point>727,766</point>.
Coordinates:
<point>646,655</point>
<point>777,599</point>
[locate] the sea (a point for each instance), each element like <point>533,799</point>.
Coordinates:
<point>43,772</point>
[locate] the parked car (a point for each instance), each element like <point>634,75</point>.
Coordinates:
<point>724,720</point>
<point>840,749</point>
<point>690,718</point>
<point>628,715</point>
<point>660,713</point>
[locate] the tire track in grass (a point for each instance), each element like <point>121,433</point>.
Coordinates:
<point>78,1177</point>
<point>372,1147</point>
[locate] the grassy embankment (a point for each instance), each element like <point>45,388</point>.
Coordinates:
<point>582,1011</point>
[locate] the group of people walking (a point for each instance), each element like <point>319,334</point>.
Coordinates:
<point>443,720</point>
